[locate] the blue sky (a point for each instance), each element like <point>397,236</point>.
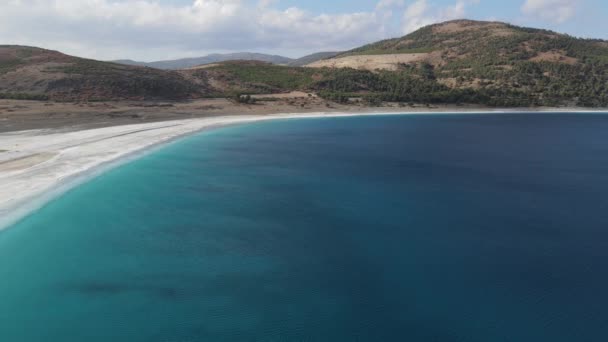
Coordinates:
<point>165,29</point>
<point>504,10</point>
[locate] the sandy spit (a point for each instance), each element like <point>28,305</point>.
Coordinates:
<point>39,165</point>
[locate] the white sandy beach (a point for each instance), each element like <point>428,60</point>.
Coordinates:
<point>38,165</point>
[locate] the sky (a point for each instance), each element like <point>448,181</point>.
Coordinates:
<point>149,30</point>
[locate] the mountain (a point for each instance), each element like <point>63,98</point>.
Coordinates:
<point>186,63</point>
<point>130,62</point>
<point>461,61</point>
<point>312,58</point>
<point>456,62</point>
<point>34,73</point>
<point>492,63</point>
<point>463,44</point>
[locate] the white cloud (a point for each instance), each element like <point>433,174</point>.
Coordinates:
<point>421,13</point>
<point>153,29</point>
<point>266,3</point>
<point>387,4</point>
<point>556,11</point>
<point>415,16</point>
<point>158,29</point>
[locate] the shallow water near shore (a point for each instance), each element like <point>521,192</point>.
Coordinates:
<point>387,228</point>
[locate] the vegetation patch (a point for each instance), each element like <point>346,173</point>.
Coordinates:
<point>272,76</point>
<point>23,96</point>
<point>10,65</point>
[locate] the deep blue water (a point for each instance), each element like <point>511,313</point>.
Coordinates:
<point>412,228</point>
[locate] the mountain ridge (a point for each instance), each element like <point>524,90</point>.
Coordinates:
<point>185,63</point>
<point>482,61</point>
<point>461,61</point>
<point>440,43</point>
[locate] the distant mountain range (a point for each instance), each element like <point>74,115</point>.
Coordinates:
<point>186,63</point>
<point>456,62</point>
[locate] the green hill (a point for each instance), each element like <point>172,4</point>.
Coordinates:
<point>493,63</point>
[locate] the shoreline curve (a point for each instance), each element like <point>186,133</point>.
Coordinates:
<point>79,156</point>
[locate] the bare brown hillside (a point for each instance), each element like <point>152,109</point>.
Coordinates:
<point>27,72</point>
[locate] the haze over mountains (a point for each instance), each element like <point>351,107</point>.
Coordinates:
<point>186,63</point>
<point>461,61</point>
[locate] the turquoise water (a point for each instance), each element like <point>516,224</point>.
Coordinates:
<point>409,228</point>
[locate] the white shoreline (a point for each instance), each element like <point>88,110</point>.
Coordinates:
<point>62,160</point>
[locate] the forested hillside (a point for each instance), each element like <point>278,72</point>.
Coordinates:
<point>488,62</point>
